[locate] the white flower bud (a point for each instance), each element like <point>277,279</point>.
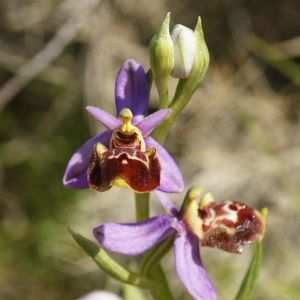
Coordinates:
<point>184,51</point>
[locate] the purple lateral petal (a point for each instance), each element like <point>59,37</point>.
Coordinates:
<point>189,267</point>
<point>131,89</point>
<point>167,203</point>
<point>76,171</point>
<point>152,121</point>
<point>170,177</point>
<point>109,121</point>
<point>134,238</point>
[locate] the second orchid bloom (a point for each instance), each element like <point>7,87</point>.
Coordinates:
<point>224,225</point>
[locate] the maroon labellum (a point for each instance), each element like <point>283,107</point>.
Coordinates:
<point>126,162</point>
<point>230,225</point>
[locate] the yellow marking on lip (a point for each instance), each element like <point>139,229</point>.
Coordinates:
<point>151,151</point>
<point>100,149</point>
<point>120,183</point>
<point>124,162</point>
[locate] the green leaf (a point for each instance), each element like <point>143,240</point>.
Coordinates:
<point>274,57</point>
<point>109,265</point>
<point>247,286</point>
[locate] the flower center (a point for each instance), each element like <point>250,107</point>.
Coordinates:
<point>126,163</point>
<point>127,135</point>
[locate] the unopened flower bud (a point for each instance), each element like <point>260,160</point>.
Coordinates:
<point>184,51</point>
<point>162,58</point>
<point>193,76</point>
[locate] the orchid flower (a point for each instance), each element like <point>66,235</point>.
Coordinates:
<point>225,225</point>
<point>124,154</point>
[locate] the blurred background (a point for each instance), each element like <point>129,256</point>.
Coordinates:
<point>239,137</point>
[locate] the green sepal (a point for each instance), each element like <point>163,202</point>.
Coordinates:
<point>247,286</point>
<point>161,52</point>
<point>109,265</point>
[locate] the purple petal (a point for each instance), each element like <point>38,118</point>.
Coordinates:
<point>131,89</point>
<point>167,203</point>
<point>76,172</point>
<point>109,121</point>
<point>189,267</point>
<point>134,238</point>
<point>152,121</point>
<point>170,177</point>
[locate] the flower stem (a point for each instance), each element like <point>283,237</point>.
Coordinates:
<point>163,291</point>
<point>153,257</point>
<point>248,284</point>
<point>142,206</point>
<point>183,94</point>
<point>151,269</point>
<point>161,132</point>
<point>155,272</point>
<point>181,98</point>
<point>163,95</point>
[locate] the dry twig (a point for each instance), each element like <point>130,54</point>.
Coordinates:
<point>65,34</point>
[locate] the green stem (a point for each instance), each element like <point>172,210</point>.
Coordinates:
<point>184,92</point>
<point>152,269</point>
<point>130,292</point>
<point>153,257</point>
<point>247,286</point>
<point>162,88</point>
<point>142,206</point>
<point>161,132</point>
<point>163,291</point>
<point>156,273</point>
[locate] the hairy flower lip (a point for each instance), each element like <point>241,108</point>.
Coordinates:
<point>131,92</point>
<point>124,165</point>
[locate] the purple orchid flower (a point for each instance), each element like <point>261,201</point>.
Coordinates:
<point>125,154</point>
<point>225,225</point>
